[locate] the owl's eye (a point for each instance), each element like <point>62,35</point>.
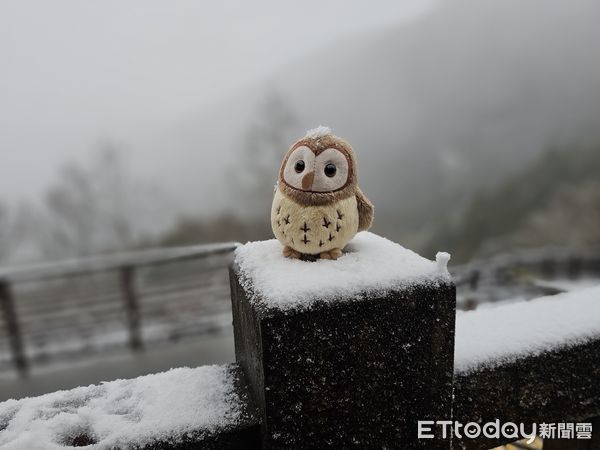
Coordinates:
<point>330,170</point>
<point>299,167</point>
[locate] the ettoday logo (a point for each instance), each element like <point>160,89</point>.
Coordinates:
<point>427,429</point>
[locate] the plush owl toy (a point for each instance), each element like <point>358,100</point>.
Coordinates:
<point>318,206</point>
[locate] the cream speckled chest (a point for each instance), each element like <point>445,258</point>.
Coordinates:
<point>314,229</point>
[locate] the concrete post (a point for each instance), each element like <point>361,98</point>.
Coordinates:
<point>358,371</point>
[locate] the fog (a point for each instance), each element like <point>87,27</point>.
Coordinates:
<point>127,125</point>
<point>77,73</point>
<point>438,108</point>
<point>442,101</point>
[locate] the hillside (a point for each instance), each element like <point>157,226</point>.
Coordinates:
<point>554,201</point>
<point>437,109</point>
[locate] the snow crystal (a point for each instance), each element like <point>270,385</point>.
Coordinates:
<point>491,336</point>
<point>122,413</point>
<point>318,132</point>
<point>370,264</point>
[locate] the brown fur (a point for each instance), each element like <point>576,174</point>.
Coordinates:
<point>318,145</point>
<point>365,211</point>
<point>324,227</point>
<point>309,208</point>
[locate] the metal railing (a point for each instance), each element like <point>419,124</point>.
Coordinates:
<point>522,274</point>
<point>556,385</point>
<point>88,304</point>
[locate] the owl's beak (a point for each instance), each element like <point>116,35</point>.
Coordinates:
<point>307,180</point>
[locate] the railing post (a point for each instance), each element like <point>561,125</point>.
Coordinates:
<point>13,328</point>
<point>358,371</point>
<point>132,306</point>
<point>474,280</point>
<point>574,266</point>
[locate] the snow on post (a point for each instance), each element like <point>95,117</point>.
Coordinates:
<point>205,406</point>
<point>528,362</point>
<point>536,327</point>
<point>349,352</point>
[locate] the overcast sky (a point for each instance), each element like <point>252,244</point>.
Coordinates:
<point>76,72</point>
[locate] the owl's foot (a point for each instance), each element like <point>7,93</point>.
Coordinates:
<point>289,252</point>
<point>334,253</point>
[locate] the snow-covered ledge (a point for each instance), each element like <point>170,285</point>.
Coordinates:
<point>490,337</point>
<point>349,352</point>
<point>536,361</point>
<point>205,406</point>
<point>370,265</point>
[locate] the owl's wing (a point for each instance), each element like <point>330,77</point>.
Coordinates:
<point>365,211</point>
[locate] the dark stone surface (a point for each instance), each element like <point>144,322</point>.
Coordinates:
<point>558,386</point>
<point>228,439</point>
<point>350,373</point>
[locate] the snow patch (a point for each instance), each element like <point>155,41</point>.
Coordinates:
<point>491,336</point>
<point>371,264</point>
<point>318,132</point>
<point>124,413</point>
<point>566,285</point>
<point>442,259</point>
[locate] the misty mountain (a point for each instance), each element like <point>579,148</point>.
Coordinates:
<point>437,109</point>
<point>552,201</point>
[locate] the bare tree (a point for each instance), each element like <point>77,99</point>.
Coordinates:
<point>16,225</point>
<point>555,225</point>
<point>4,232</point>
<point>71,209</point>
<point>90,208</point>
<point>265,142</point>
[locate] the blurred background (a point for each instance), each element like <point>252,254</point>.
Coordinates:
<point>135,135</point>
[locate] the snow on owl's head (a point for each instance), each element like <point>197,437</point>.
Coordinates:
<point>319,163</point>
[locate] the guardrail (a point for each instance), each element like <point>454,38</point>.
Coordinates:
<point>364,352</point>
<point>48,307</point>
<point>524,274</point>
<point>44,305</point>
